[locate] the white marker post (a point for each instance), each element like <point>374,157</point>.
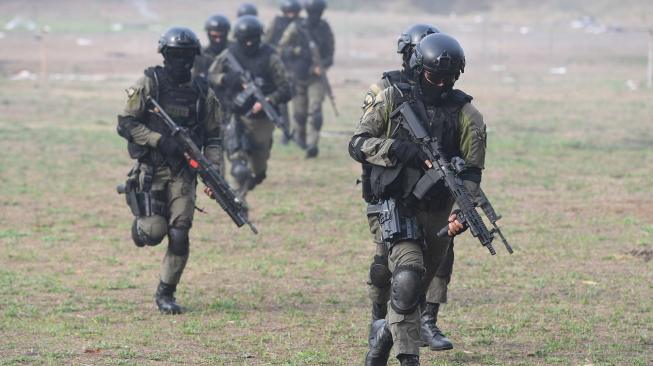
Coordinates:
<point>649,73</point>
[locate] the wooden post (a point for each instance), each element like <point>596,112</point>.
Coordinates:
<point>649,73</point>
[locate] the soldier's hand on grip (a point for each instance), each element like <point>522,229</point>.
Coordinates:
<point>455,227</point>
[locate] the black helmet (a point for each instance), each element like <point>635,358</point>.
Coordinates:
<point>439,53</point>
<point>247,27</point>
<point>290,6</point>
<point>315,6</point>
<point>247,9</point>
<point>217,23</point>
<point>411,37</point>
<point>179,38</point>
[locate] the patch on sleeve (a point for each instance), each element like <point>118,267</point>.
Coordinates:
<point>368,101</point>
<point>131,92</point>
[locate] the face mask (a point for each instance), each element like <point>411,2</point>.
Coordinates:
<point>250,45</point>
<point>217,40</point>
<point>178,63</point>
<point>435,85</point>
<point>314,18</point>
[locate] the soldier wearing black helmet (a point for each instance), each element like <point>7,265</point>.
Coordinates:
<point>165,186</point>
<point>249,136</point>
<point>379,281</point>
<point>290,10</point>
<point>307,47</point>
<point>247,9</point>
<point>418,259</point>
<point>217,29</point>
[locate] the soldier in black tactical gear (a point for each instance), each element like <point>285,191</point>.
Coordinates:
<point>290,10</point>
<point>160,180</point>
<point>419,261</point>
<point>217,30</point>
<point>307,47</point>
<point>249,135</point>
<point>247,9</point>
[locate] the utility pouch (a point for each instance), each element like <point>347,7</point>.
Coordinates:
<point>395,226</point>
<point>244,101</point>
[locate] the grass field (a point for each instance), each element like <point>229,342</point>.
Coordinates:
<point>569,167</point>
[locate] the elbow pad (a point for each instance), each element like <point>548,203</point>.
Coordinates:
<point>355,145</point>
<point>125,125</point>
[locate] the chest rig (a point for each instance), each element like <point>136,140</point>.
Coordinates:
<point>183,103</point>
<point>442,122</point>
<point>257,65</point>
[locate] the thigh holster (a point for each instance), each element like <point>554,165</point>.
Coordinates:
<point>395,224</point>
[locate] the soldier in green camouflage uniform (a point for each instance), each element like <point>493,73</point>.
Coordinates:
<point>249,136</point>
<point>379,282</point>
<point>217,31</point>
<point>418,261</point>
<point>289,13</point>
<point>165,185</point>
<point>308,46</point>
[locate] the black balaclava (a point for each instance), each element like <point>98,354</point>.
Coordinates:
<point>178,63</point>
<point>314,17</point>
<point>250,45</point>
<point>435,86</point>
<point>216,46</point>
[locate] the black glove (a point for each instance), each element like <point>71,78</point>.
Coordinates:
<point>408,153</point>
<point>231,78</point>
<point>168,147</point>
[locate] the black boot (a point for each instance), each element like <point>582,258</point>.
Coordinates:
<point>312,152</point>
<point>432,335</point>
<point>408,360</point>
<point>380,346</point>
<point>379,311</point>
<point>165,299</point>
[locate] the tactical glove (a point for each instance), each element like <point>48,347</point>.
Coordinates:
<point>168,147</point>
<point>408,153</point>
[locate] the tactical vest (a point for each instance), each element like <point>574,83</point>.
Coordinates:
<point>443,123</point>
<point>183,104</point>
<point>258,65</point>
<point>394,77</point>
<point>204,61</point>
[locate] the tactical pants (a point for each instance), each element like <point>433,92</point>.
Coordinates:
<point>256,152</point>
<point>179,193</point>
<point>307,111</point>
<point>437,261</point>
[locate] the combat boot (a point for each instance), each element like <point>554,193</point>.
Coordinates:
<point>380,345</point>
<point>312,152</point>
<point>432,335</point>
<point>165,299</point>
<point>379,311</point>
<point>408,360</point>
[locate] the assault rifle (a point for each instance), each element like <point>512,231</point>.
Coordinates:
<point>441,170</point>
<point>211,177</point>
<point>253,89</point>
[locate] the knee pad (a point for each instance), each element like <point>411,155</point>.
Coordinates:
<point>317,119</point>
<point>178,242</point>
<point>149,230</point>
<point>240,171</point>
<point>379,272</point>
<point>406,289</point>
